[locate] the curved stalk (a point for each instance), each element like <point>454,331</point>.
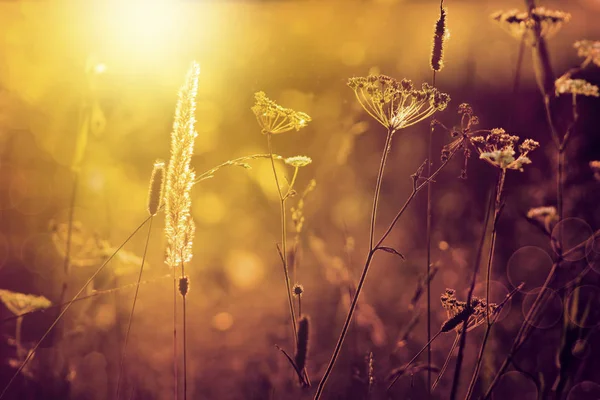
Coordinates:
<point>342,337</point>
<point>68,305</point>
<point>135,296</point>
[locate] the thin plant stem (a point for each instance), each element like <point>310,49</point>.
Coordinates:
<point>283,241</point>
<point>363,276</point>
<point>184,320</point>
<point>175,353</point>
<point>135,296</point>
<point>527,325</point>
<point>386,151</point>
<point>416,188</point>
<point>446,363</point>
<point>68,305</point>
<point>284,259</point>
<point>463,333</point>
<point>428,261</point>
<point>525,328</point>
<point>415,358</point>
<point>496,211</point>
<point>18,327</point>
<point>428,239</point>
<point>475,375</point>
<point>184,350</point>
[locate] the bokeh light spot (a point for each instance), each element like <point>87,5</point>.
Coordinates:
<point>208,208</point>
<point>529,265</point>
<point>550,308</point>
<point>223,321</point>
<point>244,269</point>
<point>572,234</point>
<point>586,390</point>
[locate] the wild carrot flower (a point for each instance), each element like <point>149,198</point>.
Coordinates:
<point>19,303</point>
<point>298,161</point>
<point>498,149</point>
<point>478,312</point>
<point>179,224</point>
<point>274,119</point>
<point>522,25</point>
<point>575,87</point>
<point>545,216</point>
<point>590,50</point>
<point>397,105</point>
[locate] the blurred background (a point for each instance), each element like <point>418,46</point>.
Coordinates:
<point>123,62</point>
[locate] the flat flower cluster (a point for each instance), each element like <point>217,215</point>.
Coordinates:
<point>575,87</point>
<point>274,119</point>
<point>498,149</point>
<point>397,105</point>
<point>522,25</point>
<point>590,50</point>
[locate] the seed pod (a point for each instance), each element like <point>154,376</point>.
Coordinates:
<point>157,183</point>
<point>457,319</point>
<point>437,52</point>
<point>302,345</point>
<point>184,285</point>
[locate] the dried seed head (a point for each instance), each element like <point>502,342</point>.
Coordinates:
<point>184,285</point>
<point>523,25</point>
<point>274,119</point>
<point>298,290</point>
<point>180,177</point>
<point>157,184</point>
<point>302,344</point>
<point>437,52</point>
<point>397,105</point>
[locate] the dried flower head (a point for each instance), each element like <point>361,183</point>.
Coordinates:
<point>298,161</point>
<point>437,50</point>
<point>274,119</point>
<point>590,50</point>
<point>498,149</point>
<point>397,105</point>
<point>179,224</point>
<point>542,212</point>
<point>462,135</point>
<point>544,216</point>
<point>523,25</point>
<point>297,290</point>
<point>476,316</point>
<point>157,184</point>
<point>19,303</point>
<point>575,87</point>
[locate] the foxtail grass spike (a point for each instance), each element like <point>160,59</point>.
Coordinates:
<point>302,345</point>
<point>157,184</point>
<point>437,52</point>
